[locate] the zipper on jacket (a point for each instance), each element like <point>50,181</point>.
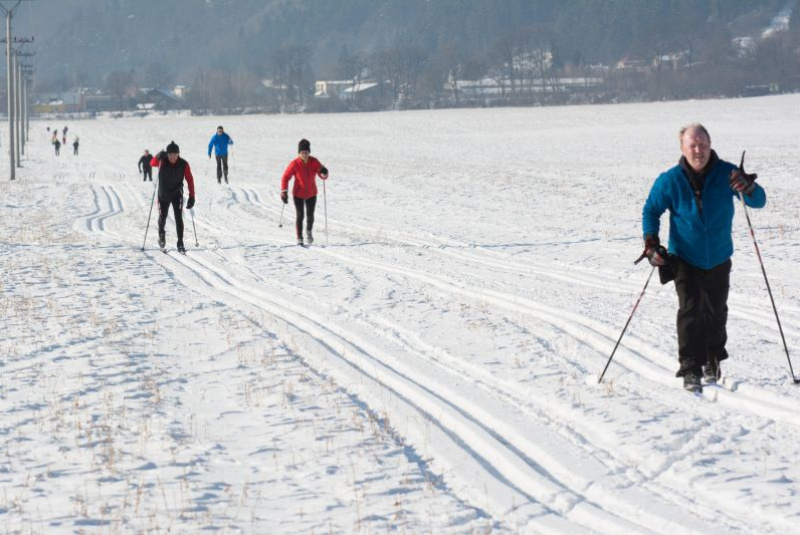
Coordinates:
<point>698,196</point>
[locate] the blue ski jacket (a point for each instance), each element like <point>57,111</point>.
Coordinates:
<point>700,237</point>
<point>220,144</point>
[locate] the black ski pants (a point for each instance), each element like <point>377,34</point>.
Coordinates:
<point>177,211</point>
<point>147,172</point>
<point>222,167</point>
<point>702,314</point>
<point>300,206</point>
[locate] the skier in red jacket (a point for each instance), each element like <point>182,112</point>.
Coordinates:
<point>172,171</point>
<point>305,169</point>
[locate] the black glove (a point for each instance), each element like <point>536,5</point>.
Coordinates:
<point>285,197</point>
<point>741,181</point>
<point>655,253</point>
<point>323,171</point>
<point>190,204</point>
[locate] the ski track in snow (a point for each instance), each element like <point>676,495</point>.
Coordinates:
<point>521,460</point>
<point>527,484</point>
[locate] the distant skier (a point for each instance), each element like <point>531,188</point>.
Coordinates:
<point>65,131</point>
<point>145,167</point>
<point>699,193</point>
<point>75,146</point>
<point>172,171</point>
<point>305,169</point>
<point>57,145</point>
<point>220,142</point>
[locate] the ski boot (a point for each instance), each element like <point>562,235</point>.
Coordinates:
<point>162,241</point>
<point>691,382</point>
<point>181,248</point>
<point>711,371</point>
<point>309,237</point>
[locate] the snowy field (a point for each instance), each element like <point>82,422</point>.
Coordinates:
<point>429,366</point>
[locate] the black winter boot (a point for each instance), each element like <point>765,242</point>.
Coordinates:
<point>712,371</point>
<point>691,382</point>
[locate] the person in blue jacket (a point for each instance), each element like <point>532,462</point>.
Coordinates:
<point>700,194</point>
<point>219,142</point>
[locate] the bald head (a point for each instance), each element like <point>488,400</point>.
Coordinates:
<point>695,146</point>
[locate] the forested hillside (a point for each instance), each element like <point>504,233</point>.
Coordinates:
<point>83,40</point>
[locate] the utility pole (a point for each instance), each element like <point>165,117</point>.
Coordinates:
<point>27,72</point>
<point>12,151</point>
<point>18,108</point>
<point>20,98</point>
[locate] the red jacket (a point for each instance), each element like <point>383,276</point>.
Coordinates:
<point>304,173</point>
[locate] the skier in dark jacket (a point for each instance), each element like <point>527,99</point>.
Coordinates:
<point>145,167</point>
<point>172,171</point>
<point>305,168</point>
<point>219,142</point>
<point>700,194</point>
<point>75,145</point>
<point>57,145</point>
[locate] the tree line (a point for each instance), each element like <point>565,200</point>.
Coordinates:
<point>419,49</point>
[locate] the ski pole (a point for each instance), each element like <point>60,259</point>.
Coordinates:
<point>626,324</point>
<point>196,243</point>
<point>764,271</point>
<point>325,204</point>
<point>280,223</point>
<point>150,214</point>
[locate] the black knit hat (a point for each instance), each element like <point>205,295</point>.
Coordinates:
<point>304,145</point>
<point>173,148</point>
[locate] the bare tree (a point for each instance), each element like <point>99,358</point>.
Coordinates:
<point>503,54</point>
<point>119,83</point>
<point>401,68</point>
<point>199,95</point>
<point>351,67</point>
<point>157,74</point>
<point>291,70</point>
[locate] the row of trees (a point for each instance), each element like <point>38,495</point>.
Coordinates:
<point>528,67</point>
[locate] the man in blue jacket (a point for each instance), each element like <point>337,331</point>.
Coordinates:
<point>220,142</point>
<point>700,194</point>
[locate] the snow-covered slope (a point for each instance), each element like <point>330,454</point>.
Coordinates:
<point>430,365</point>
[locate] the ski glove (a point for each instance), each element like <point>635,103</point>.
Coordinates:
<point>285,197</point>
<point>655,252</point>
<point>190,204</point>
<point>323,172</point>
<point>741,181</point>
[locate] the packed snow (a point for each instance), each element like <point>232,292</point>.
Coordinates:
<point>429,365</point>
